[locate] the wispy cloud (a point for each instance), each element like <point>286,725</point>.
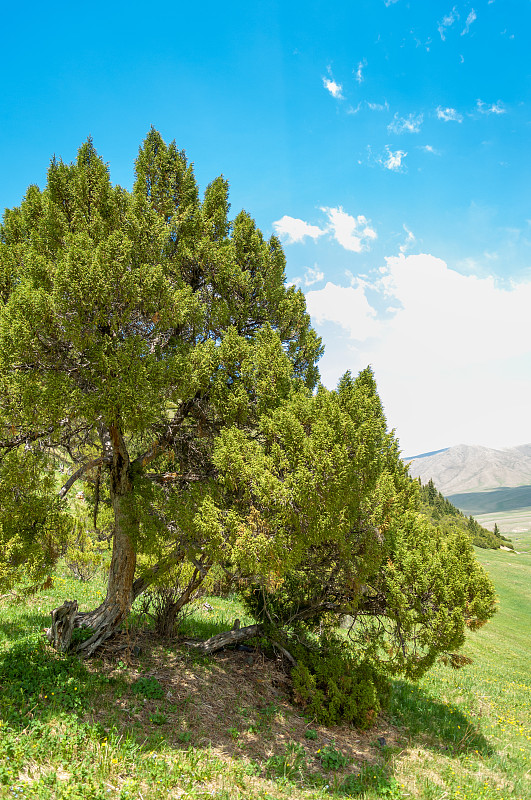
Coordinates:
<point>448,114</point>
<point>359,72</point>
<point>390,2</point>
<point>429,149</point>
<point>410,124</point>
<point>469,20</point>
<point>313,275</point>
<point>447,22</point>
<point>494,108</point>
<point>335,89</point>
<point>378,106</point>
<point>296,230</point>
<point>408,242</point>
<point>352,233</point>
<point>392,160</point>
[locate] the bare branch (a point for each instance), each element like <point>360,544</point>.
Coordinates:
<point>83,468</point>
<point>176,477</point>
<point>24,438</point>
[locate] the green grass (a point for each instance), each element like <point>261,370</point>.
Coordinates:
<point>74,730</point>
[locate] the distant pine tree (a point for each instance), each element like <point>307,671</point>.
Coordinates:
<point>441,512</point>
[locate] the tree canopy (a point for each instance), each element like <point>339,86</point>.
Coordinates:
<point>150,349</point>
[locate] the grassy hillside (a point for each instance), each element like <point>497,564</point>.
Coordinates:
<point>150,719</point>
<point>443,513</point>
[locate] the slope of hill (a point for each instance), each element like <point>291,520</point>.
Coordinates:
<point>441,511</point>
<point>495,500</point>
<point>471,468</point>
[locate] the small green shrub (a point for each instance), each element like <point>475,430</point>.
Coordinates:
<point>331,758</point>
<point>333,686</point>
<point>148,687</point>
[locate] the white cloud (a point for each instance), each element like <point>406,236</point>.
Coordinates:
<point>379,106</point>
<point>346,306</point>
<point>335,89</point>
<point>410,124</point>
<point>469,20</point>
<point>296,230</point>
<point>429,149</point>
<point>392,160</point>
<point>494,108</point>
<point>447,22</point>
<point>352,233</point>
<point>313,275</point>
<point>448,114</point>
<point>451,352</point>
<point>359,71</point>
<point>408,242</point>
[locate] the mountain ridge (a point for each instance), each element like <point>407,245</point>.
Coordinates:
<point>473,468</point>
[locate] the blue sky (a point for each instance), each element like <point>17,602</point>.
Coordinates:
<point>384,141</point>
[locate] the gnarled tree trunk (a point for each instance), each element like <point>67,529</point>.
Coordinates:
<point>105,619</point>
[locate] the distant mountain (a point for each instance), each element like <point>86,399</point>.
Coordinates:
<point>471,468</point>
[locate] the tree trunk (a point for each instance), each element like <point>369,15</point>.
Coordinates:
<point>105,619</point>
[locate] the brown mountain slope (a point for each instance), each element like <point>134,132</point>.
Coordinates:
<point>472,468</point>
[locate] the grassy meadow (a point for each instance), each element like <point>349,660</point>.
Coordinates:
<point>152,719</point>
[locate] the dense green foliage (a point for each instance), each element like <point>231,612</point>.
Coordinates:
<point>34,527</point>
<point>328,470</point>
<point>441,512</point>
<point>336,684</point>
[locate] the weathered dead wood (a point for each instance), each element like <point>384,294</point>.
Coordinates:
<point>227,639</point>
<point>236,636</point>
<point>285,653</point>
<point>63,624</point>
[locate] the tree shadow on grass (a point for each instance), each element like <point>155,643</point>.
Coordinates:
<point>436,725</point>
<point>36,682</point>
<point>17,622</point>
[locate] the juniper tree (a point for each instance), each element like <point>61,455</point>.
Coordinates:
<point>336,517</point>
<point>134,328</point>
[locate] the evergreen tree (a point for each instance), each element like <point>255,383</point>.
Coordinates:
<point>335,519</point>
<point>135,327</point>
